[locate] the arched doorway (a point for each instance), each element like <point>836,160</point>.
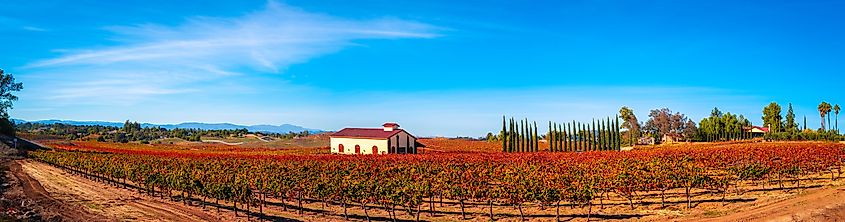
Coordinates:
<point>357,149</point>
<point>375,150</point>
<point>340,148</point>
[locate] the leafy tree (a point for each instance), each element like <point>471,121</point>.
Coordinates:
<point>630,122</point>
<point>690,130</point>
<point>663,121</point>
<point>7,87</point>
<point>772,117</point>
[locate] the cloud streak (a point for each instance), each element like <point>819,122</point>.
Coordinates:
<point>210,48</point>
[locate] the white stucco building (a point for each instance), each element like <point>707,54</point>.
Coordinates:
<point>388,139</point>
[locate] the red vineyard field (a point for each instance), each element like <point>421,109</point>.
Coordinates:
<point>411,181</point>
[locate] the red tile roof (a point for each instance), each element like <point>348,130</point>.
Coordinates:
<point>369,133</point>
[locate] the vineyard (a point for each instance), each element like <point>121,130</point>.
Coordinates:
<point>495,181</point>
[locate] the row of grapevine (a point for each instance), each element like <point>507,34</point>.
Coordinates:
<point>388,181</point>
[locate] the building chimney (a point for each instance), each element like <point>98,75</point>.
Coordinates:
<point>390,126</point>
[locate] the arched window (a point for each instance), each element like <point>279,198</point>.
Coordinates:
<point>340,148</point>
<point>375,150</point>
<point>357,149</point>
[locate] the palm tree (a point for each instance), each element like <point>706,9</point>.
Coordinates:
<point>824,109</point>
<point>836,112</point>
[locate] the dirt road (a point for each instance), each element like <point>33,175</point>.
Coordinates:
<point>823,204</point>
<point>97,201</point>
<point>27,189</point>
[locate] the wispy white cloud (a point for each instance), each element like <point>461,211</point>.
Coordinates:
<point>211,48</point>
<point>34,29</point>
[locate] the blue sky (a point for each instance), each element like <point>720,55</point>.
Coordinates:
<point>437,67</point>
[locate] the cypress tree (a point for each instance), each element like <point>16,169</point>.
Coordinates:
<point>610,134</point>
<point>513,135</point>
<point>564,137</point>
<point>603,133</point>
<point>510,135</point>
<point>589,135</point>
<point>578,136</point>
<point>533,137</point>
<point>617,143</point>
<point>593,136</point>
<point>587,138</point>
<point>583,134</point>
<point>524,136</point>
<point>549,138</point>
<point>562,134</point>
<point>536,138</point>
<point>559,137</point>
<point>574,134</point>
<point>530,138</point>
<point>607,133</point>
<point>519,138</point>
<point>527,136</point>
<point>582,140</point>
<point>571,136</point>
<point>504,138</point>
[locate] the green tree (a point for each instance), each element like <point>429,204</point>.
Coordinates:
<point>7,87</point>
<point>789,125</point>
<point>772,117</point>
<point>824,109</point>
<point>630,122</point>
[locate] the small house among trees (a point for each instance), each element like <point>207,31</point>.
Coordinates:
<point>756,131</point>
<point>388,139</point>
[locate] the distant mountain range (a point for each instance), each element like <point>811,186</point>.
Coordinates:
<point>284,128</point>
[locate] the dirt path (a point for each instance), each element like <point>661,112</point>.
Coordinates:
<point>223,142</point>
<point>32,190</point>
<point>823,204</point>
<point>104,202</point>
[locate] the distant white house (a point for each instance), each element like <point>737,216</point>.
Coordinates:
<point>388,139</point>
<point>756,131</point>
